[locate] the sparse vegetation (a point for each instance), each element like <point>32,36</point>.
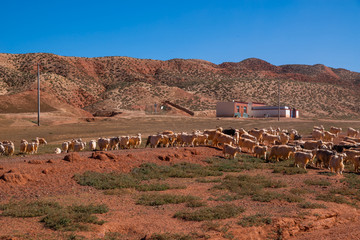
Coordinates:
<point>298,191</point>
<point>70,218</point>
<point>255,220</point>
<point>25,209</point>
<point>161,199</point>
<point>309,205</point>
<point>144,172</point>
<point>317,182</point>
<point>172,236</point>
<point>211,213</point>
<point>332,198</point>
<point>289,170</point>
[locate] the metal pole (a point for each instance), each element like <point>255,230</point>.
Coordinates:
<point>38,86</point>
<point>279,100</point>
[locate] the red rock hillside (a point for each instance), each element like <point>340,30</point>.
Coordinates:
<point>117,83</point>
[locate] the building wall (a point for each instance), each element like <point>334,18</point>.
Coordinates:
<point>225,109</point>
<point>270,113</point>
<point>241,108</point>
<point>229,109</point>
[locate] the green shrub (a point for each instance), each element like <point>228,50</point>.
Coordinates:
<point>28,209</point>
<point>311,205</point>
<point>317,182</point>
<point>255,220</point>
<point>332,198</point>
<point>161,199</point>
<point>291,198</point>
<point>57,217</point>
<point>95,209</point>
<point>171,236</point>
<point>181,170</point>
<point>353,180</point>
<point>204,180</point>
<point>227,197</point>
<point>248,185</point>
<point>289,170</point>
<point>74,217</point>
<point>266,196</point>
<point>195,203</point>
<point>298,191</point>
<point>211,213</point>
<point>157,187</point>
<point>106,180</point>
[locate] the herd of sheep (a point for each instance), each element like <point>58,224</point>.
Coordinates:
<point>263,143</point>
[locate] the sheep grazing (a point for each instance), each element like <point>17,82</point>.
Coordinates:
<point>335,130</point>
<point>337,163</point>
<point>258,133</point>
<point>9,147</point>
<point>79,146</point>
<point>284,138</point>
<point>312,144</point>
<point>92,145</point>
<point>103,143</point>
<point>154,140</point>
<point>356,163</point>
<point>317,134</point>
<point>281,151</point>
<point>114,143</point>
<point>303,158</point>
<point>201,139</point>
<point>124,142</point>
<point>135,141</point>
<point>188,139</point>
<point>328,136</point>
<point>2,149</point>
<point>323,157</point>
<point>23,145</point>
<point>269,139</point>
<point>31,148</point>
<point>248,136</point>
<point>57,151</point>
<point>230,151</point>
<point>248,144</point>
<point>65,146</point>
<point>211,132</point>
<point>351,132</point>
<point>260,151</point>
<point>220,139</point>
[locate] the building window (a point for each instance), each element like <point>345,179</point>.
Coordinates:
<point>237,108</point>
<point>245,109</point>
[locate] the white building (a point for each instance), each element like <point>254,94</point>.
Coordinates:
<point>256,110</point>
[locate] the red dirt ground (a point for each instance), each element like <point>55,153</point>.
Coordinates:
<point>49,177</point>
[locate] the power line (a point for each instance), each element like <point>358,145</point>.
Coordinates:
<point>278,100</point>
<point>38,94</point>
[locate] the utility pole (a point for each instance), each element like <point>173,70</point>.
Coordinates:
<point>38,88</point>
<point>279,100</point>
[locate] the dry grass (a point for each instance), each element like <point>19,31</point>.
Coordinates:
<point>146,125</point>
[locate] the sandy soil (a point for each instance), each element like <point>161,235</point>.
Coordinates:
<point>48,177</point>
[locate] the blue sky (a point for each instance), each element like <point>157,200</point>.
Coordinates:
<point>280,32</point>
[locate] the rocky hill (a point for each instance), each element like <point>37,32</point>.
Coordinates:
<point>118,83</point>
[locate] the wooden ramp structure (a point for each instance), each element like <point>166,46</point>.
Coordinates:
<point>191,113</point>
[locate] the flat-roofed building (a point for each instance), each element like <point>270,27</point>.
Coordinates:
<point>254,110</point>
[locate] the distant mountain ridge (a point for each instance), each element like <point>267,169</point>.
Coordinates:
<point>114,83</point>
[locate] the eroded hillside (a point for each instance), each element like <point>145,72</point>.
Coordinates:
<point>114,83</point>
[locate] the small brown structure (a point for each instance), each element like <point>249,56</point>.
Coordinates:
<point>235,108</point>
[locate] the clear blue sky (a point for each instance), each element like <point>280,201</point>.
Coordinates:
<point>280,32</point>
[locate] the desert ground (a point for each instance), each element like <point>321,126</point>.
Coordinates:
<point>167,193</point>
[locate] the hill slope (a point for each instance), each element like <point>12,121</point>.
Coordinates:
<point>113,83</point>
